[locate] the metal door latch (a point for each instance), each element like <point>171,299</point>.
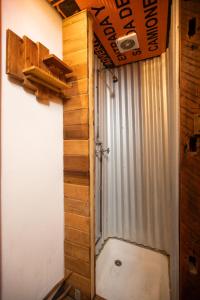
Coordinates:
<point>107,150</point>
<point>102,151</point>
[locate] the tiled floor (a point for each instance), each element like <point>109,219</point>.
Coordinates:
<point>143,273</point>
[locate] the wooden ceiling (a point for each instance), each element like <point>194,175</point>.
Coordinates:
<point>66,8</point>
<point>117,18</point>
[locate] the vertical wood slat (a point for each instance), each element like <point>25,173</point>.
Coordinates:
<point>92,155</point>
<point>78,154</point>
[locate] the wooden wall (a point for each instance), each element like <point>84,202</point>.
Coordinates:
<point>78,154</point>
<point>190,159</point>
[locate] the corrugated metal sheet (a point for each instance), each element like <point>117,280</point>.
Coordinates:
<point>136,172</point>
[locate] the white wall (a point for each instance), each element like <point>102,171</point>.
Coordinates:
<point>32,166</point>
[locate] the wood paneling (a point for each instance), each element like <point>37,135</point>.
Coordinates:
<point>75,191</point>
<point>76,147</point>
<point>77,207</point>
<point>78,266</point>
<point>76,131</point>
<point>76,102</point>
<point>78,87</point>
<point>78,156</point>
<point>92,154</point>
<point>80,56</point>
<point>190,161</point>
<point>80,70</point>
<point>77,222</point>
<point>77,251</point>
<point>76,178</point>
<point>74,117</point>
<point>76,163</point>
<point>77,236</point>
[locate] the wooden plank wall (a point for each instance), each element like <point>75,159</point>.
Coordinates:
<point>78,154</point>
<point>190,161</point>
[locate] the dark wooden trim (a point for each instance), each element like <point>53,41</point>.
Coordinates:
<point>189,153</point>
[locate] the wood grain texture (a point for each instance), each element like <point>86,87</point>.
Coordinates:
<point>53,61</point>
<point>76,117</point>
<point>76,147</point>
<point>77,47</point>
<point>76,163</point>
<point>190,161</point>
<point>44,78</point>
<point>77,207</point>
<point>15,51</point>
<point>77,222</point>
<point>75,191</point>
<point>78,178</point>
<point>77,131</point>
<point>77,236</point>
<point>78,57</point>
<point>77,251</point>
<point>78,266</point>
<point>78,87</point>
<point>76,102</point>
<point>91,153</point>
<point>25,63</point>
<point>30,53</point>
<point>80,71</point>
<point>42,52</point>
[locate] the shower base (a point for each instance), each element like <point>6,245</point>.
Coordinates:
<point>129,272</point>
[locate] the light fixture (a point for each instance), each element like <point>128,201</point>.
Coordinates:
<point>127,42</point>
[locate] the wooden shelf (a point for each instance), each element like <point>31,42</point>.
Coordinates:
<point>35,69</point>
<point>40,76</point>
<point>52,61</point>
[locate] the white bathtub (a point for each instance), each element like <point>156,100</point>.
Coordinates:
<point>143,274</point>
